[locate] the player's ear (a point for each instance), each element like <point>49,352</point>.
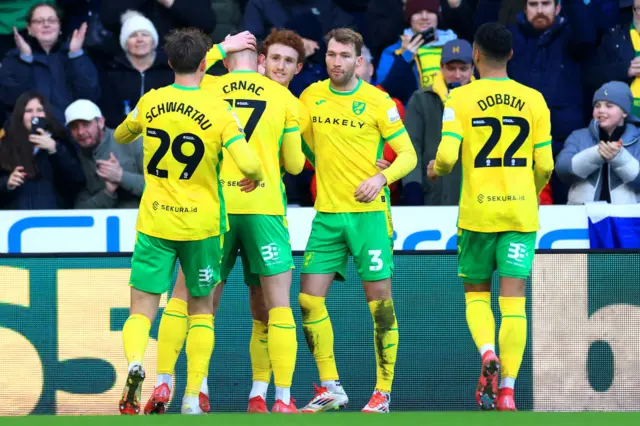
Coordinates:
<point>203,65</point>
<point>262,59</point>
<point>511,54</point>
<point>169,62</point>
<point>298,68</point>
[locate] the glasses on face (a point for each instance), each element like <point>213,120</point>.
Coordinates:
<point>41,21</point>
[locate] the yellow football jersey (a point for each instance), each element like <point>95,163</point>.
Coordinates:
<point>345,138</point>
<point>269,114</point>
<point>505,131</point>
<point>184,130</point>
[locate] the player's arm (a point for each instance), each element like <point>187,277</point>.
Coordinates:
<point>542,151</point>
<point>394,133</point>
<point>306,130</point>
<point>234,140</point>
<point>131,128</point>
<point>291,149</point>
<point>452,134</point>
<point>236,43</point>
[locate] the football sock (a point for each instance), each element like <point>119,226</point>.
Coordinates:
<point>259,389</point>
<point>135,336</point>
<point>283,346</point>
<point>386,337</point>
<point>204,387</point>
<point>165,379</point>
<point>513,335</point>
<point>507,382</point>
<point>259,353</point>
<point>332,385</point>
<point>171,335</point>
<point>318,332</point>
<point>199,349</point>
<point>283,394</point>
<point>480,320</point>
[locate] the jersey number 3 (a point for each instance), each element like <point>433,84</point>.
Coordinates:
<point>483,160</point>
<point>191,162</point>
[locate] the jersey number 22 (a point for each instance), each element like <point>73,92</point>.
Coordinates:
<point>483,160</point>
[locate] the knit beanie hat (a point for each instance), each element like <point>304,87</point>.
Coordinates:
<point>415,6</point>
<point>133,21</point>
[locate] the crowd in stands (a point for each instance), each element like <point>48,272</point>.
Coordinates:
<point>71,70</point>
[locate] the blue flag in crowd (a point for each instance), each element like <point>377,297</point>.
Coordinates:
<point>613,226</point>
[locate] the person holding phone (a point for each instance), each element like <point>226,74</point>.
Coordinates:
<point>37,169</point>
<point>417,52</point>
<point>424,125</point>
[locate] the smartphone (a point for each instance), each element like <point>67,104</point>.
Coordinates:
<point>428,35</point>
<point>38,123</point>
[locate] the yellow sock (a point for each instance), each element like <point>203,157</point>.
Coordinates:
<point>480,319</point>
<point>171,335</point>
<point>385,337</point>
<point>135,335</point>
<point>283,346</point>
<point>513,334</point>
<point>259,352</point>
<point>199,349</point>
<point>318,332</point>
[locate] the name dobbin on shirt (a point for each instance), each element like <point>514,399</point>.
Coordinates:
<point>343,122</point>
<point>187,110</point>
<point>501,99</point>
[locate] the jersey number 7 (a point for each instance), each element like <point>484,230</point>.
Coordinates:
<point>191,162</point>
<point>258,109</point>
<point>483,160</point>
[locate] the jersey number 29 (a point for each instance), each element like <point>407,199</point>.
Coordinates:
<point>190,161</point>
<point>483,160</point>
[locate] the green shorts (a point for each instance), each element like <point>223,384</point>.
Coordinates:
<point>481,253</point>
<point>263,243</point>
<point>154,260</point>
<point>368,236</point>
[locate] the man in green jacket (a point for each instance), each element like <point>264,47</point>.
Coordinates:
<point>423,121</point>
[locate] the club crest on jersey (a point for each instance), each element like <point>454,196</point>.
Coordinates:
<point>358,107</point>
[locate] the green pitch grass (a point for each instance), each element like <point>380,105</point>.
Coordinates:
<point>338,419</point>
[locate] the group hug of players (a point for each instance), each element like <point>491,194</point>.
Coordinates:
<point>205,211</point>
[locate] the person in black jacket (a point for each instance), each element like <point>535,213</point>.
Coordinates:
<point>165,14</point>
<point>139,67</point>
<point>61,72</point>
<point>38,169</point>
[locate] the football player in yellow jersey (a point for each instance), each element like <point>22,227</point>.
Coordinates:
<point>182,212</point>
<point>350,122</point>
<point>503,130</point>
<point>282,55</point>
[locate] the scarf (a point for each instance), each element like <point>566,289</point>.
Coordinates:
<point>635,84</point>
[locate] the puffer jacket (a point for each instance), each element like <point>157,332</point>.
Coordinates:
<point>580,165</point>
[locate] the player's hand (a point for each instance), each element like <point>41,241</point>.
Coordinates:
<point>369,189</point>
<point>431,173</point>
<point>383,164</point>
<point>16,178</point>
<point>43,140</point>
<point>77,38</point>
<point>248,185</point>
<point>609,150</point>
<point>110,170</point>
<point>238,42</point>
